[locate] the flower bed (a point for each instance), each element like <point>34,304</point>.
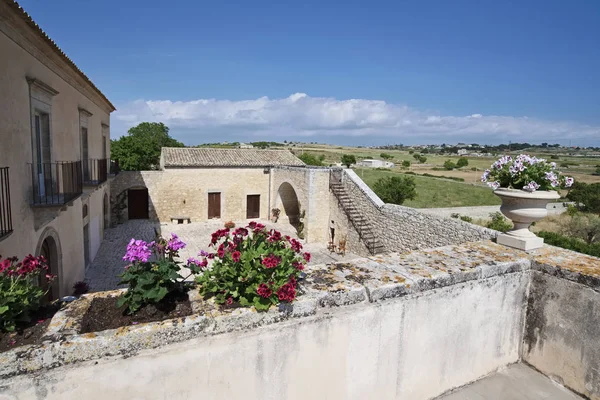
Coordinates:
<point>24,312</point>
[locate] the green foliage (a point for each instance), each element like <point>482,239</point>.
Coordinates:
<point>462,162</point>
<point>422,159</point>
<point>395,189</point>
<point>310,159</point>
<point>265,145</point>
<point>449,165</point>
<point>253,267</point>
<point>406,164</point>
<point>348,160</point>
<point>465,218</point>
<point>554,157</point>
<point>597,171</point>
<point>416,156</point>
<point>586,196</point>
<point>571,210</point>
<point>585,226</point>
<point>570,243</point>
<point>411,152</point>
<point>452,178</point>
<point>149,279</point>
<point>20,296</point>
<point>140,149</point>
<point>499,223</point>
<point>386,156</point>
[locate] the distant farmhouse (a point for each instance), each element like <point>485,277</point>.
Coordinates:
<point>370,163</point>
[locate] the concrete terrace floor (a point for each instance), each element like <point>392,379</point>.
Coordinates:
<point>103,273</point>
<point>517,382</point>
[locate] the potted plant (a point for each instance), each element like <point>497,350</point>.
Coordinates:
<point>526,185</point>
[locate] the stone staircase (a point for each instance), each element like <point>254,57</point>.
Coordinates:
<point>361,224</point>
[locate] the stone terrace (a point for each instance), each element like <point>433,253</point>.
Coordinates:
<point>414,325</point>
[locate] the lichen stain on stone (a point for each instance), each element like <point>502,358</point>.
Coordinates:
<point>575,262</point>
<point>89,335</point>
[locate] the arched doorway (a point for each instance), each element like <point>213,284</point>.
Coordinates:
<point>137,203</point>
<point>287,202</point>
<point>49,247</point>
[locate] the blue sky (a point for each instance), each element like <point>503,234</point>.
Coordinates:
<point>369,72</point>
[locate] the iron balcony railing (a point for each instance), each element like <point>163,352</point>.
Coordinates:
<point>5,211</point>
<point>56,183</point>
<point>94,171</point>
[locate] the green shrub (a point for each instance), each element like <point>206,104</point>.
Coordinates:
<point>405,164</point>
<point>499,223</point>
<point>348,160</point>
<point>449,165</point>
<point>411,152</point>
<point>474,169</point>
<point>395,189</point>
<point>253,267</point>
<point>422,159</point>
<point>462,162</point>
<point>466,218</point>
<point>586,196</point>
<point>386,156</point>
<point>382,169</point>
<point>570,243</point>
<point>310,159</point>
<point>453,178</point>
<point>20,296</point>
<point>554,157</point>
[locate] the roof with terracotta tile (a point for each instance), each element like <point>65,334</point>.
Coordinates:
<point>39,31</point>
<point>209,157</point>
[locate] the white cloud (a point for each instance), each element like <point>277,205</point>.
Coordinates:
<point>313,118</point>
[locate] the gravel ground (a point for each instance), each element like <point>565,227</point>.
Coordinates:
<point>103,272</point>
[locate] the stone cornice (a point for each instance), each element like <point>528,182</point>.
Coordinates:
<point>21,29</point>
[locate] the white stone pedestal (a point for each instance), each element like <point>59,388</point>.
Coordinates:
<point>519,242</point>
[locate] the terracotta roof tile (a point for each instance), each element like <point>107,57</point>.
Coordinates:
<point>209,157</point>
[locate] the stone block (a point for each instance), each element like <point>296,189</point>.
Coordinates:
<point>521,243</point>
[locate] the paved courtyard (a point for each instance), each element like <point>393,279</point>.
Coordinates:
<point>517,382</point>
<point>103,272</point>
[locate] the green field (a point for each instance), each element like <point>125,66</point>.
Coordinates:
<point>434,192</point>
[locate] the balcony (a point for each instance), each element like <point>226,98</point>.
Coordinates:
<point>56,183</point>
<point>5,212</point>
<point>95,171</point>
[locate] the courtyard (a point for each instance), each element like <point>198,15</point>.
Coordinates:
<point>103,272</point>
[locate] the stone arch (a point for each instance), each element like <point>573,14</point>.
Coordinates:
<point>287,201</point>
<point>49,246</point>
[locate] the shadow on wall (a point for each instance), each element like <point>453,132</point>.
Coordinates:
<point>130,198</point>
<point>287,202</point>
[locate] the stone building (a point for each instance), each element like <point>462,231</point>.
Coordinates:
<point>55,143</point>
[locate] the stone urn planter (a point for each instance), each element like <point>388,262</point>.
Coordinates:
<point>523,208</point>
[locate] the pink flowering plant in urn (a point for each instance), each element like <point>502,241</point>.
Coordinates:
<point>525,172</point>
<point>252,266</point>
<point>23,286</point>
<point>526,184</point>
<point>153,272</point>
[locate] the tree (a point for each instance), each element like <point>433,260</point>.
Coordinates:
<point>416,156</point>
<point>449,165</point>
<point>406,164</point>
<point>395,189</point>
<point>348,160</point>
<point>386,156</point>
<point>140,149</point>
<point>584,226</point>
<point>411,152</point>
<point>310,159</point>
<point>462,162</point>
<point>422,159</point>
<point>586,196</point>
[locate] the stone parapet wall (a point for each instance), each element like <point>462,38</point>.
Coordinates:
<point>402,228</point>
<point>411,325</point>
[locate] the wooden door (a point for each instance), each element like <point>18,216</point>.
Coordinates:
<point>253,206</point>
<point>214,205</point>
<point>137,203</point>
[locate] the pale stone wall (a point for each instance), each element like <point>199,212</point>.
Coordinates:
<point>24,56</point>
<point>184,192</point>
<point>401,228</point>
<point>563,324</point>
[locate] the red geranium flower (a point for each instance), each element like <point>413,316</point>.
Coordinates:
<point>264,291</point>
<point>236,256</point>
<point>307,256</point>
